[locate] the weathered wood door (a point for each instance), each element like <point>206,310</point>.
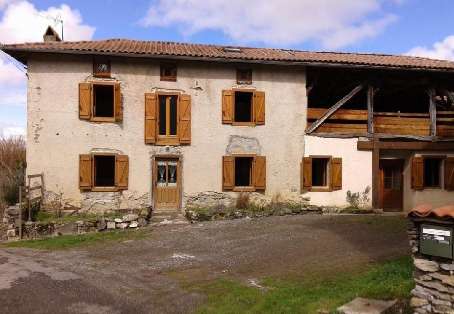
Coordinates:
<point>166,182</point>
<point>391,187</point>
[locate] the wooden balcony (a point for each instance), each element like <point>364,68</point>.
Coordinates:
<point>354,123</point>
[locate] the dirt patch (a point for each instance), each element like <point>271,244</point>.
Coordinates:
<point>152,273</point>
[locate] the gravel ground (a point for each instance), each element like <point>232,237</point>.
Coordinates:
<point>149,275</point>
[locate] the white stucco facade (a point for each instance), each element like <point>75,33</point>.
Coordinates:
<point>56,136</point>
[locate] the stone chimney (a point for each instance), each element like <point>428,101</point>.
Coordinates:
<point>51,35</point>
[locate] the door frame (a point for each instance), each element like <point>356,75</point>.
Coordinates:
<point>401,161</point>
<point>154,161</point>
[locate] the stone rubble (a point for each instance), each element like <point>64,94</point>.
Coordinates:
<point>434,280</point>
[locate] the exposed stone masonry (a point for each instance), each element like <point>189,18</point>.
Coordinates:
<point>434,280</point>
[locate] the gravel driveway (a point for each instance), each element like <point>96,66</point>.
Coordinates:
<point>149,275</point>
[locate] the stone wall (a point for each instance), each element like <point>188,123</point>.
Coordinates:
<point>434,280</point>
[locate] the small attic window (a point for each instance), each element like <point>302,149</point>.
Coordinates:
<point>231,49</point>
<point>244,76</point>
<point>101,67</point>
<point>168,72</point>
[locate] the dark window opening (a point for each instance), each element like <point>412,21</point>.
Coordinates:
<point>243,171</point>
<point>432,170</point>
<point>168,115</point>
<point>168,72</point>
<point>244,76</point>
<point>103,101</point>
<point>320,172</point>
<point>104,170</point>
<point>243,106</point>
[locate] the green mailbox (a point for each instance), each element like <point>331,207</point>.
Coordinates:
<point>436,240</point>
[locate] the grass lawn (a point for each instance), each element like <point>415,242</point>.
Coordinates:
<point>388,280</point>
<point>75,241</point>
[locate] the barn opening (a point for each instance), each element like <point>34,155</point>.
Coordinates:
<point>103,101</point>
<point>243,171</point>
<point>104,170</point>
<point>243,106</point>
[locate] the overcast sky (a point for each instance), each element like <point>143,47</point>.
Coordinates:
<point>417,27</point>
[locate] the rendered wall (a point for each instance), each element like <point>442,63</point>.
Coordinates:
<point>56,136</point>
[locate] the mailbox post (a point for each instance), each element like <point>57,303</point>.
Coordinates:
<point>431,238</point>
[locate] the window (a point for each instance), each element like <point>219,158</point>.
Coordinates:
<point>103,101</point>
<point>100,101</point>
<point>169,72</point>
<point>167,119</point>
<point>432,172</point>
<point>320,172</point>
<point>101,67</point>
<point>243,107</point>
<point>243,173</point>
<point>167,173</point>
<point>244,76</point>
<point>103,172</point>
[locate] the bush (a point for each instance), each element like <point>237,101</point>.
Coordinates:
<point>243,201</point>
<point>12,168</point>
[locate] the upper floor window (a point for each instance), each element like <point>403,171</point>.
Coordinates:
<point>243,107</point>
<point>244,76</point>
<point>169,72</point>
<point>167,116</point>
<point>100,101</point>
<point>101,67</point>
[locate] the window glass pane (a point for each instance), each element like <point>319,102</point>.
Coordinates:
<point>173,115</point>
<point>162,115</point>
<point>172,174</point>
<point>432,172</point>
<point>243,107</point>
<point>243,171</point>
<point>103,98</point>
<point>162,174</point>
<point>104,171</point>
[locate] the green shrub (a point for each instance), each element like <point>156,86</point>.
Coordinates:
<point>12,168</point>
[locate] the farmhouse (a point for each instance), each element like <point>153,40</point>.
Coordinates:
<point>124,123</point>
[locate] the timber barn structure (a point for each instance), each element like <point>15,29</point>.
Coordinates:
<point>123,123</point>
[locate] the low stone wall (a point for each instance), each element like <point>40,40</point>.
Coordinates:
<point>434,279</point>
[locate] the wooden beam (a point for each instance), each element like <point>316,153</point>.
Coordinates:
<point>432,112</point>
<point>333,109</point>
<point>370,109</point>
<point>434,146</point>
<point>375,173</point>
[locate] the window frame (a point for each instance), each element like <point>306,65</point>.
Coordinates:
<point>251,187</point>
<point>101,60</point>
<point>102,119</point>
<point>441,159</point>
<point>328,187</point>
<point>95,188</point>
<point>247,123</point>
<point>168,78</point>
<point>238,76</point>
<point>168,139</point>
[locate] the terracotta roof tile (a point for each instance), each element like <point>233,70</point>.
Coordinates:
<point>218,53</point>
<point>427,210</point>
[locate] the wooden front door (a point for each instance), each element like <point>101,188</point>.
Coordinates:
<point>391,186</point>
<point>166,181</point>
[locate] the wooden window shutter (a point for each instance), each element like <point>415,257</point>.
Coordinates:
<point>449,173</point>
<point>336,174</point>
<point>259,107</point>
<point>151,100</point>
<point>184,108</point>
<point>118,106</point>
<point>228,178</point>
<point>121,172</point>
<point>85,100</point>
<point>260,172</point>
<point>227,106</point>
<point>307,173</point>
<point>417,173</point>
<point>85,172</point>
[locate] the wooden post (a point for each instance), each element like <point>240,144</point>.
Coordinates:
<point>20,212</point>
<point>432,112</point>
<point>375,174</point>
<point>370,109</point>
<point>333,109</point>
